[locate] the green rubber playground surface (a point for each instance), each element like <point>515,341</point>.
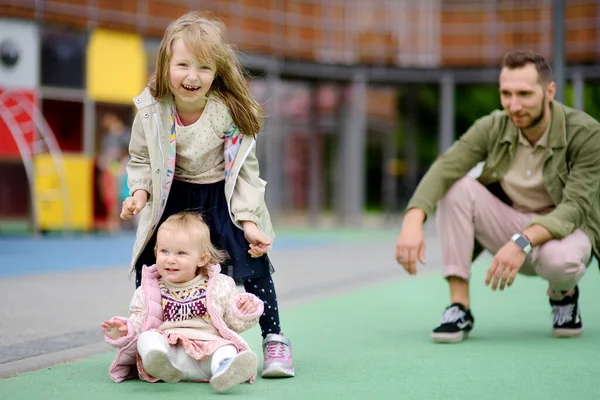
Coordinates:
<point>374,344</point>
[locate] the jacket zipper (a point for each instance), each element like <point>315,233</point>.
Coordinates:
<point>162,154</point>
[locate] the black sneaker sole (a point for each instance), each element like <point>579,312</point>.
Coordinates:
<point>445,337</point>
<point>567,333</point>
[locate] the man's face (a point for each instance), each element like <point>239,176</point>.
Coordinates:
<point>523,97</point>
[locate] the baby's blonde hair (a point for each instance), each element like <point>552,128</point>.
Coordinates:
<point>206,37</point>
<point>193,224</point>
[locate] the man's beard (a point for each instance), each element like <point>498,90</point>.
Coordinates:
<point>536,120</point>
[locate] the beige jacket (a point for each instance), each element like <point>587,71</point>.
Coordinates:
<point>151,168</point>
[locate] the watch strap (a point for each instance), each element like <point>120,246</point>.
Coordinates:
<point>522,242</point>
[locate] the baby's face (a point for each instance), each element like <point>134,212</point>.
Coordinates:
<point>178,256</point>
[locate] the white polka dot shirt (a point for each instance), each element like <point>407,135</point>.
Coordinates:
<point>200,146</point>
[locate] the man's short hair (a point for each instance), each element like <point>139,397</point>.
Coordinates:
<point>520,58</point>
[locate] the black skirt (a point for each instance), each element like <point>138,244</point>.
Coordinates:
<point>209,200</point>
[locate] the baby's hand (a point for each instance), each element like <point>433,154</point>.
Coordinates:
<point>114,328</point>
<point>134,204</point>
<point>245,305</point>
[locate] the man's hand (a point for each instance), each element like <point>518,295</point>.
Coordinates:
<point>410,245</point>
<point>134,204</point>
<point>505,266</point>
<point>114,328</point>
<point>259,243</point>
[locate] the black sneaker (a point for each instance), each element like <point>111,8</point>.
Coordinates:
<point>567,316</point>
<point>455,325</point>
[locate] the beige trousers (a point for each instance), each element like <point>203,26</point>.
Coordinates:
<point>469,211</point>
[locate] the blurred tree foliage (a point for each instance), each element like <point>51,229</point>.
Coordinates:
<point>591,98</point>
<point>473,102</point>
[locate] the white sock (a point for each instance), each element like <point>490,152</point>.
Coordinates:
<point>151,341</point>
<point>192,369</point>
<point>223,352</point>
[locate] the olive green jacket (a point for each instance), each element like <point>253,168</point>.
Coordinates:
<point>571,171</point>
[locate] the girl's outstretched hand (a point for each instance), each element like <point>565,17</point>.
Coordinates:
<point>245,305</point>
<point>114,328</point>
<point>259,242</point>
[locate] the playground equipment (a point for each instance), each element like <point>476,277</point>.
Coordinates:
<point>43,160</point>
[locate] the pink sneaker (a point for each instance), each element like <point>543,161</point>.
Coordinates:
<point>277,351</point>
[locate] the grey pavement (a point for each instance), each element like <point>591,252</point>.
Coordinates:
<point>55,317</point>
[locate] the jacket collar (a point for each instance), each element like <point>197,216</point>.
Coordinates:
<point>558,132</point>
<point>213,270</point>
<point>144,99</point>
<point>150,272</point>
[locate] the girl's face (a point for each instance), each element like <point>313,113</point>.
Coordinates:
<point>190,79</point>
<point>178,256</point>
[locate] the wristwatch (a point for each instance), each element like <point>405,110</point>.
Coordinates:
<point>522,242</point>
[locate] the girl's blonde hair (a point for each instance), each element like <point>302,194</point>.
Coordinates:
<point>206,38</point>
<point>193,224</point>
